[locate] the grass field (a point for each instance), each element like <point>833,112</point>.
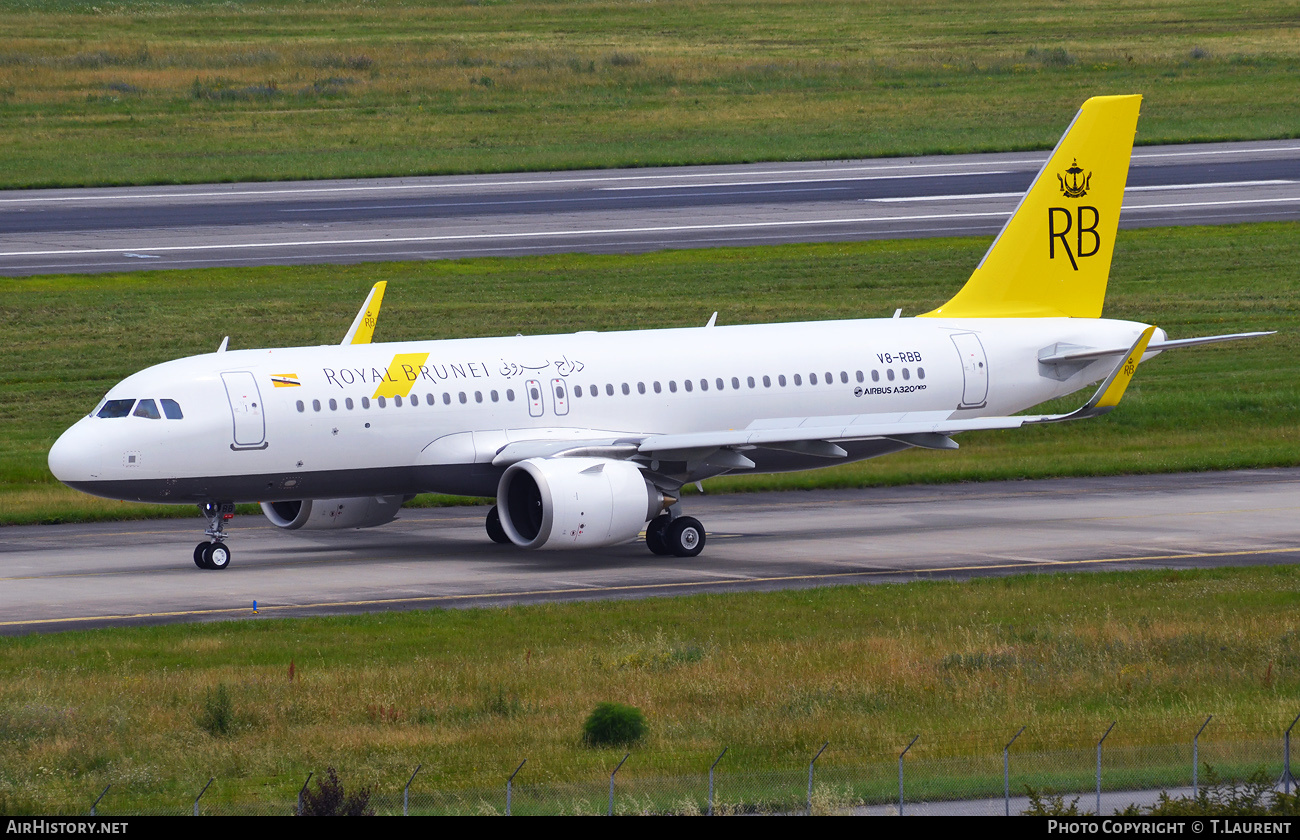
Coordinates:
<point>151,91</point>
<point>469,693</point>
<point>68,339</point>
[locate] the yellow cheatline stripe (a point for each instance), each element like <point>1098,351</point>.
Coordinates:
<point>638,587</point>
<point>402,373</point>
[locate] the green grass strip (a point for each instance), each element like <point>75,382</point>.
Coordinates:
<point>170,91</point>
<point>259,703</point>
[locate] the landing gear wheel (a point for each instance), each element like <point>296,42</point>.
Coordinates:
<point>198,555</point>
<point>654,535</point>
<point>494,528</point>
<point>216,556</point>
<point>684,536</point>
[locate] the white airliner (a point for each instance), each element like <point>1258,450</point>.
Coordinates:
<point>584,439</point>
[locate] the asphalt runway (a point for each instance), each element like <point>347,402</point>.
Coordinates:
<point>607,211</point>
<point>78,576</point>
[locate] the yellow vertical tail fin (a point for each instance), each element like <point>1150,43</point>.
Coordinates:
<point>1053,256</point>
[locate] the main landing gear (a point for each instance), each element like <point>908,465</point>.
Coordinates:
<point>215,554</point>
<point>682,535</point>
<point>494,528</point>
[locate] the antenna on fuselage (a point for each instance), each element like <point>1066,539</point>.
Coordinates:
<point>712,320</point>
<point>224,342</point>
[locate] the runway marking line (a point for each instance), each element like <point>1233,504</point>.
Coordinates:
<point>636,587</point>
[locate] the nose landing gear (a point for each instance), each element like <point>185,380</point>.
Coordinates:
<point>215,555</point>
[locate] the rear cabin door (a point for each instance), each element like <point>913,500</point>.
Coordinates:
<point>975,370</point>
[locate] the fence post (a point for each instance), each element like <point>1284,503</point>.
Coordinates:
<point>302,790</point>
<point>1287,778</point>
<point>96,802</point>
<point>1006,770</point>
<point>810,774</point>
<point>611,784</point>
<point>406,792</point>
<point>1196,788</point>
<point>1099,743</point>
<point>510,783</point>
<point>715,764</point>
<point>900,774</point>
<point>200,796</point>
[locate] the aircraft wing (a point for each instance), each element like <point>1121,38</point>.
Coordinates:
<point>363,326</point>
<point>821,435</point>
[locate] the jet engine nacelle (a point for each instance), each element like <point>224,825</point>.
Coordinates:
<point>329,514</point>
<point>574,502</point>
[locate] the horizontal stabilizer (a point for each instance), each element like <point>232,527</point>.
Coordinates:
<point>1061,354</point>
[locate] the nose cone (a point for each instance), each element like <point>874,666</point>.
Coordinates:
<point>75,456</point>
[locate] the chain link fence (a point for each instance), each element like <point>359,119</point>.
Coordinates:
<point>1099,779</point>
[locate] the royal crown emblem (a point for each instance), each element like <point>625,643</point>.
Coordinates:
<point>1073,188</point>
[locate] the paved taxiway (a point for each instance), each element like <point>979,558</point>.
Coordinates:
<point>607,211</point>
<point>75,576</point>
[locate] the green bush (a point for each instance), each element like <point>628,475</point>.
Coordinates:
<point>612,724</point>
<point>218,713</point>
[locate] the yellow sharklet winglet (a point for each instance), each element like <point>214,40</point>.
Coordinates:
<point>1053,256</point>
<point>1112,390</point>
<point>363,326</point>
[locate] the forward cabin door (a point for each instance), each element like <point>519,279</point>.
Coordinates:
<point>245,410</point>
<point>974,368</point>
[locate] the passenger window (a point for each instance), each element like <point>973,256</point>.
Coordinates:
<point>415,399</point>
<point>689,387</point>
<point>609,389</point>
<point>478,396</point>
<point>446,398</point>
<point>147,408</point>
<point>797,380</point>
<point>428,400</point>
<point>672,385</point>
<point>626,390</point>
<point>860,376</point>
<point>920,373</point>
<point>875,376</point>
<point>117,408</point>
<point>658,390</point>
<point>172,410</point>
<point>889,374</point>
<point>767,381</point>
<point>510,394</point>
<point>334,405</point>
<point>495,397</point>
<point>301,407</point>
<point>751,382</point>
<point>348,402</point>
<point>780,380</point>
<point>464,399</point>
<point>721,385</point>
<point>704,384</point>
<point>577,390</point>
<point>315,404</point>
<point>397,401</point>
<point>640,387</point>
<point>383,403</point>
<point>812,379</point>
<point>365,402</point>
<point>906,374</point>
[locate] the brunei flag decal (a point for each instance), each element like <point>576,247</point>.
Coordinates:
<point>285,380</point>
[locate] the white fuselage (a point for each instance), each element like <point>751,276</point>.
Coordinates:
<point>402,418</point>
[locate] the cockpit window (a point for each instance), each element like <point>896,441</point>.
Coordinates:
<point>147,408</point>
<point>172,410</point>
<point>116,408</point>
